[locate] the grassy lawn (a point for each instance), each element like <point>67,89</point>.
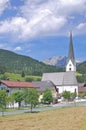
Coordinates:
<point>78,74</point>
<point>16,77</point>
<point>61,119</point>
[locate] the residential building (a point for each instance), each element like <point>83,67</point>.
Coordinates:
<point>14,86</point>
<point>43,85</point>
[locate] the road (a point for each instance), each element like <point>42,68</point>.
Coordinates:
<point>39,109</point>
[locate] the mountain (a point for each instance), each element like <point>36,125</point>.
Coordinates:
<point>58,61</point>
<point>15,63</point>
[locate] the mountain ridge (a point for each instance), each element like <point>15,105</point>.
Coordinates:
<point>58,61</point>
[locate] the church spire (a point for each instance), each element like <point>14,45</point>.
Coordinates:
<point>71,51</point>
<point>71,65</point>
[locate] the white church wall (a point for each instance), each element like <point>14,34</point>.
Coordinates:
<point>70,66</point>
<point>72,89</point>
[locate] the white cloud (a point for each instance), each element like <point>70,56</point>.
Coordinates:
<point>42,23</point>
<point>13,25</point>
<point>57,7</point>
<point>3,5</point>
<point>80,29</point>
<point>44,17</point>
<point>24,29</point>
<point>18,48</point>
<point>69,7</point>
<point>81,26</point>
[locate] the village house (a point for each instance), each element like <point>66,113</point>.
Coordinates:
<point>14,86</point>
<point>43,85</point>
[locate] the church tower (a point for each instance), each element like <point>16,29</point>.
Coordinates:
<point>71,64</point>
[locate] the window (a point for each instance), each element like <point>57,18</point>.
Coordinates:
<point>84,85</point>
<point>69,68</point>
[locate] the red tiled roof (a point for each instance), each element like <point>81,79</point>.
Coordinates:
<point>81,89</point>
<point>18,84</point>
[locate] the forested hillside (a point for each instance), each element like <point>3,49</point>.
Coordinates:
<point>82,68</point>
<point>12,62</point>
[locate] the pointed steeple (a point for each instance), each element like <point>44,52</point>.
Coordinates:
<point>71,65</point>
<point>71,51</point>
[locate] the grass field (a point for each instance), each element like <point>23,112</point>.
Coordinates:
<point>16,77</point>
<point>61,119</point>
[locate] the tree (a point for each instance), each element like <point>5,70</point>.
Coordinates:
<point>81,78</point>
<point>3,99</point>
<point>25,95</point>
<point>82,95</point>
<point>47,97</point>
<point>2,69</point>
<point>10,100</point>
<point>32,97</point>
<point>22,74</point>
<point>4,77</point>
<point>18,97</point>
<point>29,79</point>
<point>81,68</point>
<point>66,95</point>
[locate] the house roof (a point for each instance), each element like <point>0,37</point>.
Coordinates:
<point>61,78</point>
<point>82,84</point>
<point>43,85</point>
<point>81,89</point>
<point>18,84</point>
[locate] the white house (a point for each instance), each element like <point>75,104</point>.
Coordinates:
<point>65,80</point>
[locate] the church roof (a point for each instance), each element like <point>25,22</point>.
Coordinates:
<point>56,78</point>
<point>61,78</point>
<point>71,51</point>
<point>69,78</point>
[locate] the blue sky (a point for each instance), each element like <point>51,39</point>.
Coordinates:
<point>40,28</point>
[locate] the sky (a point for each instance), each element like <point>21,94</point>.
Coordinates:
<point>40,28</point>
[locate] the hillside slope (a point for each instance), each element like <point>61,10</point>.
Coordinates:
<point>17,63</point>
<point>82,68</point>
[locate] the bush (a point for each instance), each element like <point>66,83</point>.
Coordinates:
<point>29,79</point>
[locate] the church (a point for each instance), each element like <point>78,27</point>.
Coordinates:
<point>65,81</point>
